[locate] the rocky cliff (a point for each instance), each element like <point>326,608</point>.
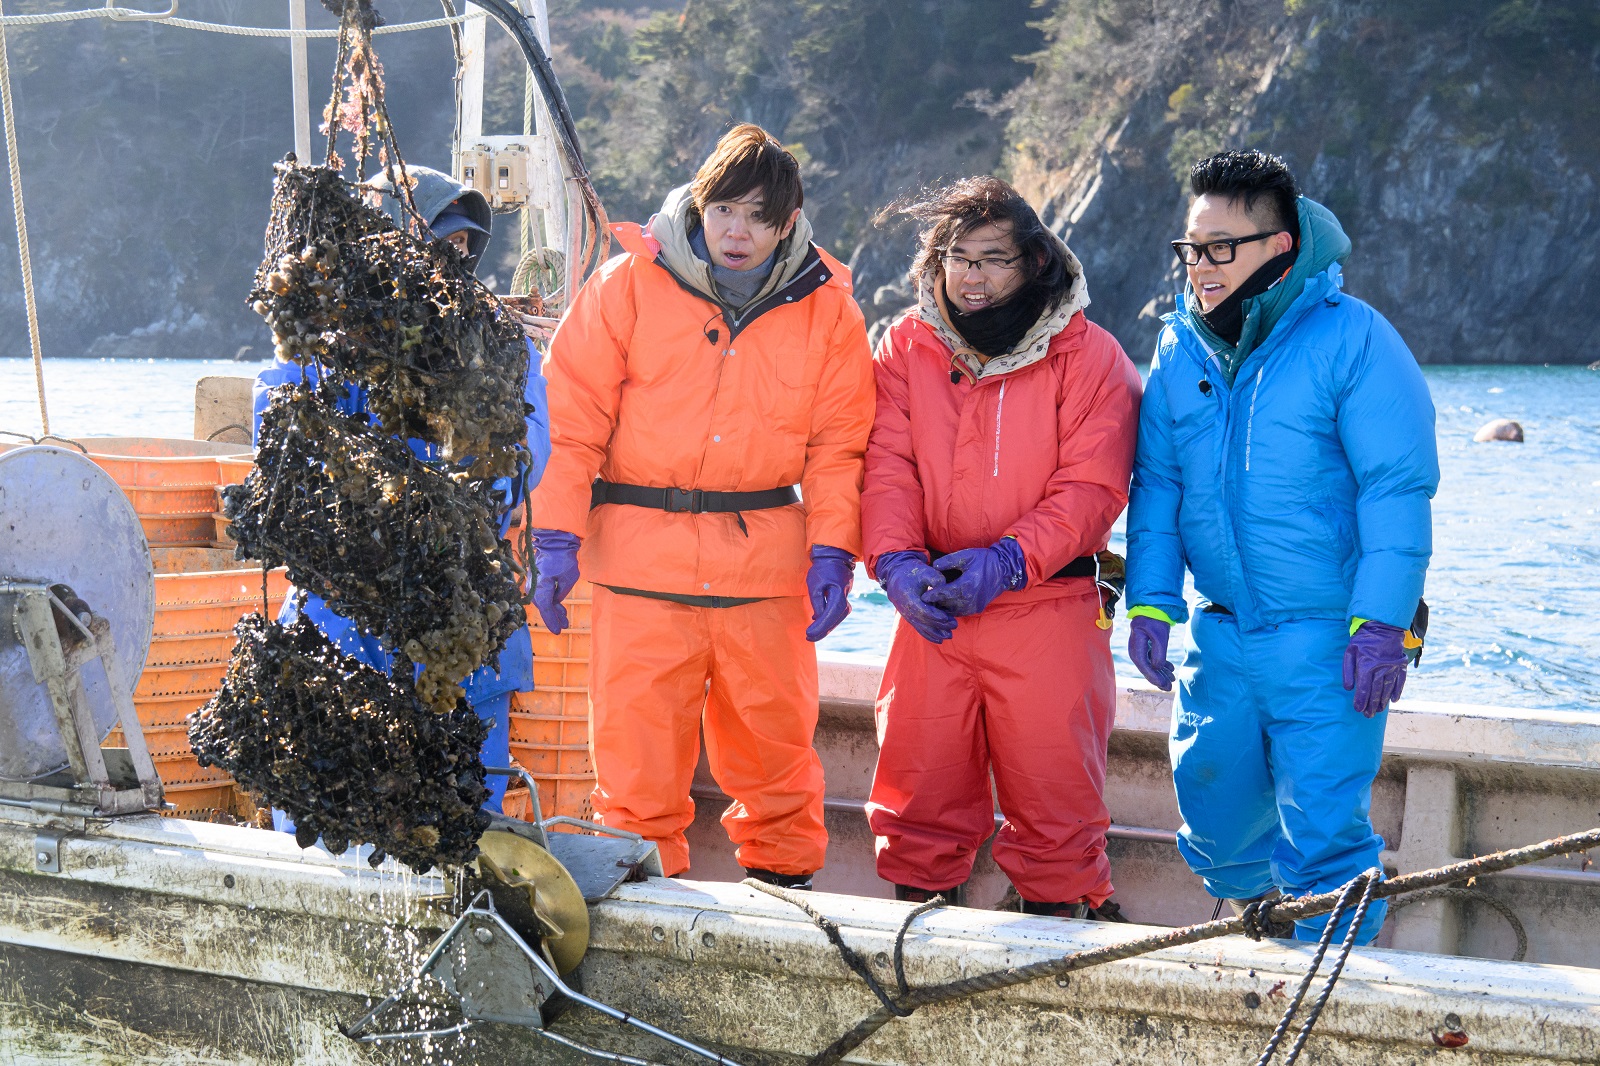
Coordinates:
<point>1457,140</point>
<point>146,154</point>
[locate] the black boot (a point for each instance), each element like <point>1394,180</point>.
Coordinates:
<point>1106,912</point>
<point>798,882</point>
<point>955,897</point>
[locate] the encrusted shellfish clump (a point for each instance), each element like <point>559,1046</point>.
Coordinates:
<point>341,748</point>
<point>409,554</point>
<point>343,289</point>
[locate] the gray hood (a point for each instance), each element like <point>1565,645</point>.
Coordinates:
<point>670,227</point>
<point>433,191</point>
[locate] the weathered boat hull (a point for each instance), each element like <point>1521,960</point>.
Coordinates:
<point>166,941</point>
<point>1456,781</point>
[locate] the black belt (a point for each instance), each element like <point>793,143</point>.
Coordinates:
<point>690,501</point>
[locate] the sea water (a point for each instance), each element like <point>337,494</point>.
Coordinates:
<point>1514,586</point>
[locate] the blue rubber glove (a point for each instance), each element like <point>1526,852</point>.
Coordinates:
<point>555,559</point>
<point>906,577</point>
<point>828,585</point>
<point>1147,647</point>
<point>1375,666</point>
<point>985,574</point>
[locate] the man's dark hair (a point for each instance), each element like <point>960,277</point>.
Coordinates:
<point>748,158</point>
<point>1253,179</point>
<point>950,212</point>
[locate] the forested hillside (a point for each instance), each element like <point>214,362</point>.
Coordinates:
<point>1459,141</point>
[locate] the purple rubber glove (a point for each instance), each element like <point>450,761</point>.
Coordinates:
<point>985,574</point>
<point>555,560</point>
<point>828,585</point>
<point>1375,666</point>
<point>906,577</point>
<point>1147,647</point>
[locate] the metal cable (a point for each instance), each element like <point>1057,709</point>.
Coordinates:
<point>218,27</point>
<point>1364,883</point>
<point>900,941</point>
<point>15,167</point>
<point>594,1052</point>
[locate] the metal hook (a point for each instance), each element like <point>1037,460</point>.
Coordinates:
<point>121,14</point>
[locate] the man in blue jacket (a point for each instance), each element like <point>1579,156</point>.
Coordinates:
<point>459,214</point>
<point>1286,458</point>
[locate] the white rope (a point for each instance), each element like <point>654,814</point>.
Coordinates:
<point>218,27</point>
<point>22,223</point>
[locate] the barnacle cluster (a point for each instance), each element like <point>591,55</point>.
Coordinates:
<point>379,482</point>
<point>341,749</point>
<point>409,553</point>
<point>343,288</point>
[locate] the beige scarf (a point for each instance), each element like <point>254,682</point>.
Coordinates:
<point>933,309</point>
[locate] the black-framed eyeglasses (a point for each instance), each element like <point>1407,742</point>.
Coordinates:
<point>1220,252</point>
<point>957,264</point>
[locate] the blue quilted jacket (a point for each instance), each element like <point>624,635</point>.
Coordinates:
<point>1301,491</point>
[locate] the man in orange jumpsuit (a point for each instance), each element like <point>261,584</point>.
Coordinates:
<point>703,375</point>
<point>998,462</point>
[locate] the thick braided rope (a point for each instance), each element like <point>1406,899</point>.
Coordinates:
<point>830,929</point>
<point>15,167</point>
<point>132,14</point>
<point>1290,910</point>
<point>1364,883</point>
<point>1372,878</point>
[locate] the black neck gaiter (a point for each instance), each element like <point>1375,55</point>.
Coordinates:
<point>996,330</point>
<point>1226,319</point>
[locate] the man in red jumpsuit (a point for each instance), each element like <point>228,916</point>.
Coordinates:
<point>999,458</point>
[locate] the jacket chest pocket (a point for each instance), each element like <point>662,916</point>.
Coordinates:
<point>778,377</point>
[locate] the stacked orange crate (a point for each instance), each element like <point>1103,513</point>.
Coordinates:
<point>171,483</point>
<point>200,594</point>
<point>195,615</point>
<point>550,725</point>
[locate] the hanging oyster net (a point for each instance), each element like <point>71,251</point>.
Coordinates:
<point>409,554</point>
<point>341,748</point>
<point>398,340</point>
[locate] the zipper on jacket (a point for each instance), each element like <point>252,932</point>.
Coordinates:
<point>1250,422</point>
<point>737,324</point>
<point>999,409</point>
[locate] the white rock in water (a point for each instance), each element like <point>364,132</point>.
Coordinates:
<point>1499,429</point>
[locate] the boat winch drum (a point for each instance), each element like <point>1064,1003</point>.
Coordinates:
<point>64,521</point>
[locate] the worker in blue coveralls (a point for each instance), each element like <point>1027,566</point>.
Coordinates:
<point>461,215</point>
<point>1286,457</point>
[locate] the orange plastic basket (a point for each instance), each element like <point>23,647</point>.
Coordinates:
<point>181,649</point>
<point>168,531</point>
<point>202,800</point>
<point>219,586</point>
<point>177,501</point>
<point>550,725</point>
<point>201,593</point>
<point>232,469</point>
<point>157,462</point>
<point>185,679</point>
